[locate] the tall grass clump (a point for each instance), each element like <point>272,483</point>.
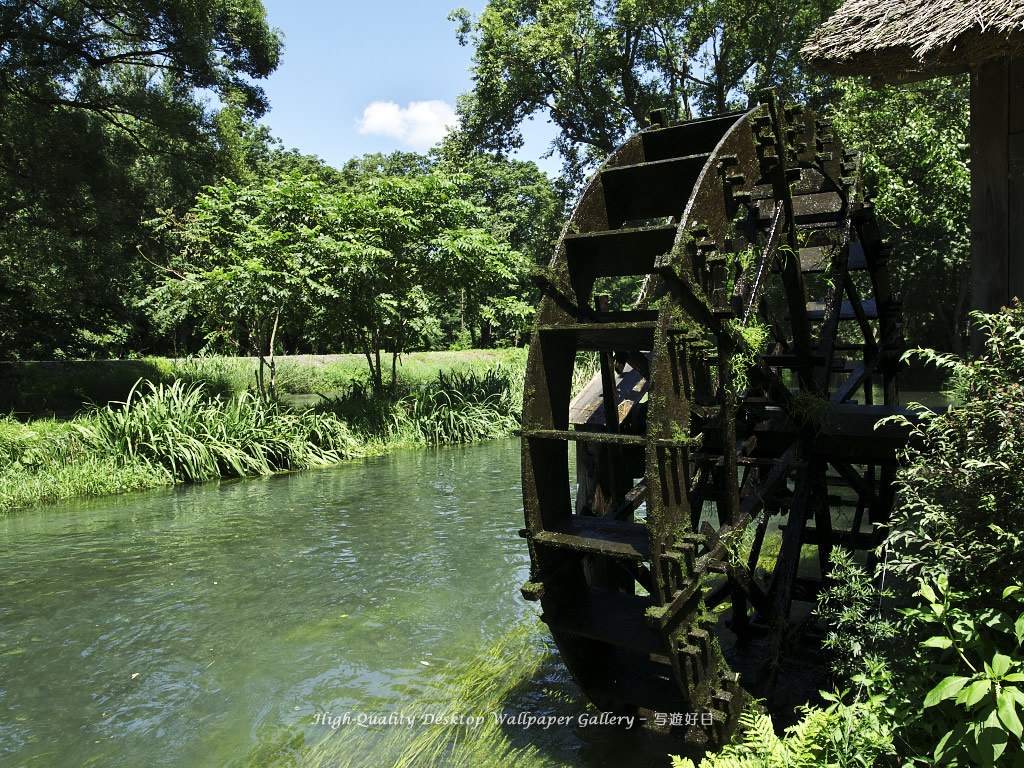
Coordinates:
<point>219,375</point>
<point>459,406</point>
<point>197,420</point>
<point>587,366</point>
<point>197,437</point>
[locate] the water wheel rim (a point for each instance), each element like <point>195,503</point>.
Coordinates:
<point>663,644</point>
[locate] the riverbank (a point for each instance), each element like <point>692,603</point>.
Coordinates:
<point>201,422</point>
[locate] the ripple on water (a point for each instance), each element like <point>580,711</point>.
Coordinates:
<point>157,628</point>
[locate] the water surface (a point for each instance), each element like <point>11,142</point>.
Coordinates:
<point>170,627</point>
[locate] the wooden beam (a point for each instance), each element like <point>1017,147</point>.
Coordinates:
<point>1015,146</point>
<point>990,210</point>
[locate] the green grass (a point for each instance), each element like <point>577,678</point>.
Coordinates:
<point>93,475</point>
<point>66,387</point>
<point>479,687</point>
<point>456,407</point>
<point>195,436</point>
<point>200,427</point>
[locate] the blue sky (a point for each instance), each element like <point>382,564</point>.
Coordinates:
<point>375,76</point>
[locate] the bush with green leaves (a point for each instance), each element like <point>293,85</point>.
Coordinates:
<point>960,510</point>
<point>933,641</point>
<point>954,559</point>
<point>973,671</point>
<point>457,407</point>
<point>915,161</point>
<point>851,605</point>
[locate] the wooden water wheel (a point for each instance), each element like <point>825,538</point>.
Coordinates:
<point>727,443</point>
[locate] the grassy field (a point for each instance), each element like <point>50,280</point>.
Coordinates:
<point>199,420</point>
<point>62,388</point>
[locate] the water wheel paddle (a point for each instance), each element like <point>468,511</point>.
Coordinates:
<point>724,414</point>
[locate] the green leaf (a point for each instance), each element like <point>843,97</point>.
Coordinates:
<point>938,641</point>
<point>951,741</point>
<point>928,593</point>
<point>1007,709</point>
<point>974,693</point>
<point>990,745</point>
<point>947,688</point>
<point>1001,664</point>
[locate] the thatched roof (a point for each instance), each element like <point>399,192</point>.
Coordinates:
<point>908,39</point>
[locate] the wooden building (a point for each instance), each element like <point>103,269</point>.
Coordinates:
<point>902,41</point>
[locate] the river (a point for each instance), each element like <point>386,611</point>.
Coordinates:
<point>194,625</point>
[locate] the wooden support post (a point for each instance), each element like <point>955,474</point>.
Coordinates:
<point>997,186</point>
<point>1015,150</point>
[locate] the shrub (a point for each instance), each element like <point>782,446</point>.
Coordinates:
<point>936,659</point>
<point>954,558</point>
<point>837,735</point>
<point>960,510</point>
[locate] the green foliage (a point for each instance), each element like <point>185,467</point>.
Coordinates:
<point>959,512</point>
<point>851,606</point>
<point>409,246</point>
<point>46,460</point>
<point>839,735</point>
<point>203,422</point>
<point>754,337</point>
<point>915,160</point>
<point>90,474</point>
<point>586,367</point>
<point>65,388</point>
<point>370,263</point>
<point>972,710</point>
<point>596,70</point>
<point>951,671</point>
<point>196,437</point>
<point>252,260</point>
<point>101,125</point>
<point>458,407</point>
<point>521,205</point>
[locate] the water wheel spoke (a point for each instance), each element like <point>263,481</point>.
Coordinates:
<point>862,373</point>
<point>636,496</point>
<point>749,293</point>
<point>862,318</point>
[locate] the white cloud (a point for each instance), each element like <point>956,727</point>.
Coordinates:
<point>420,125</point>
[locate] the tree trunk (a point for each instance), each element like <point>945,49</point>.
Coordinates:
<point>272,389</point>
<point>378,376</point>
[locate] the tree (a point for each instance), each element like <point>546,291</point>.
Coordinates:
<point>521,206</point>
<point>251,260</point>
<point>915,159</point>
<point>516,204</point>
<point>412,244</point>
<point>359,170</point>
<point>100,125</point>
<point>597,70</point>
